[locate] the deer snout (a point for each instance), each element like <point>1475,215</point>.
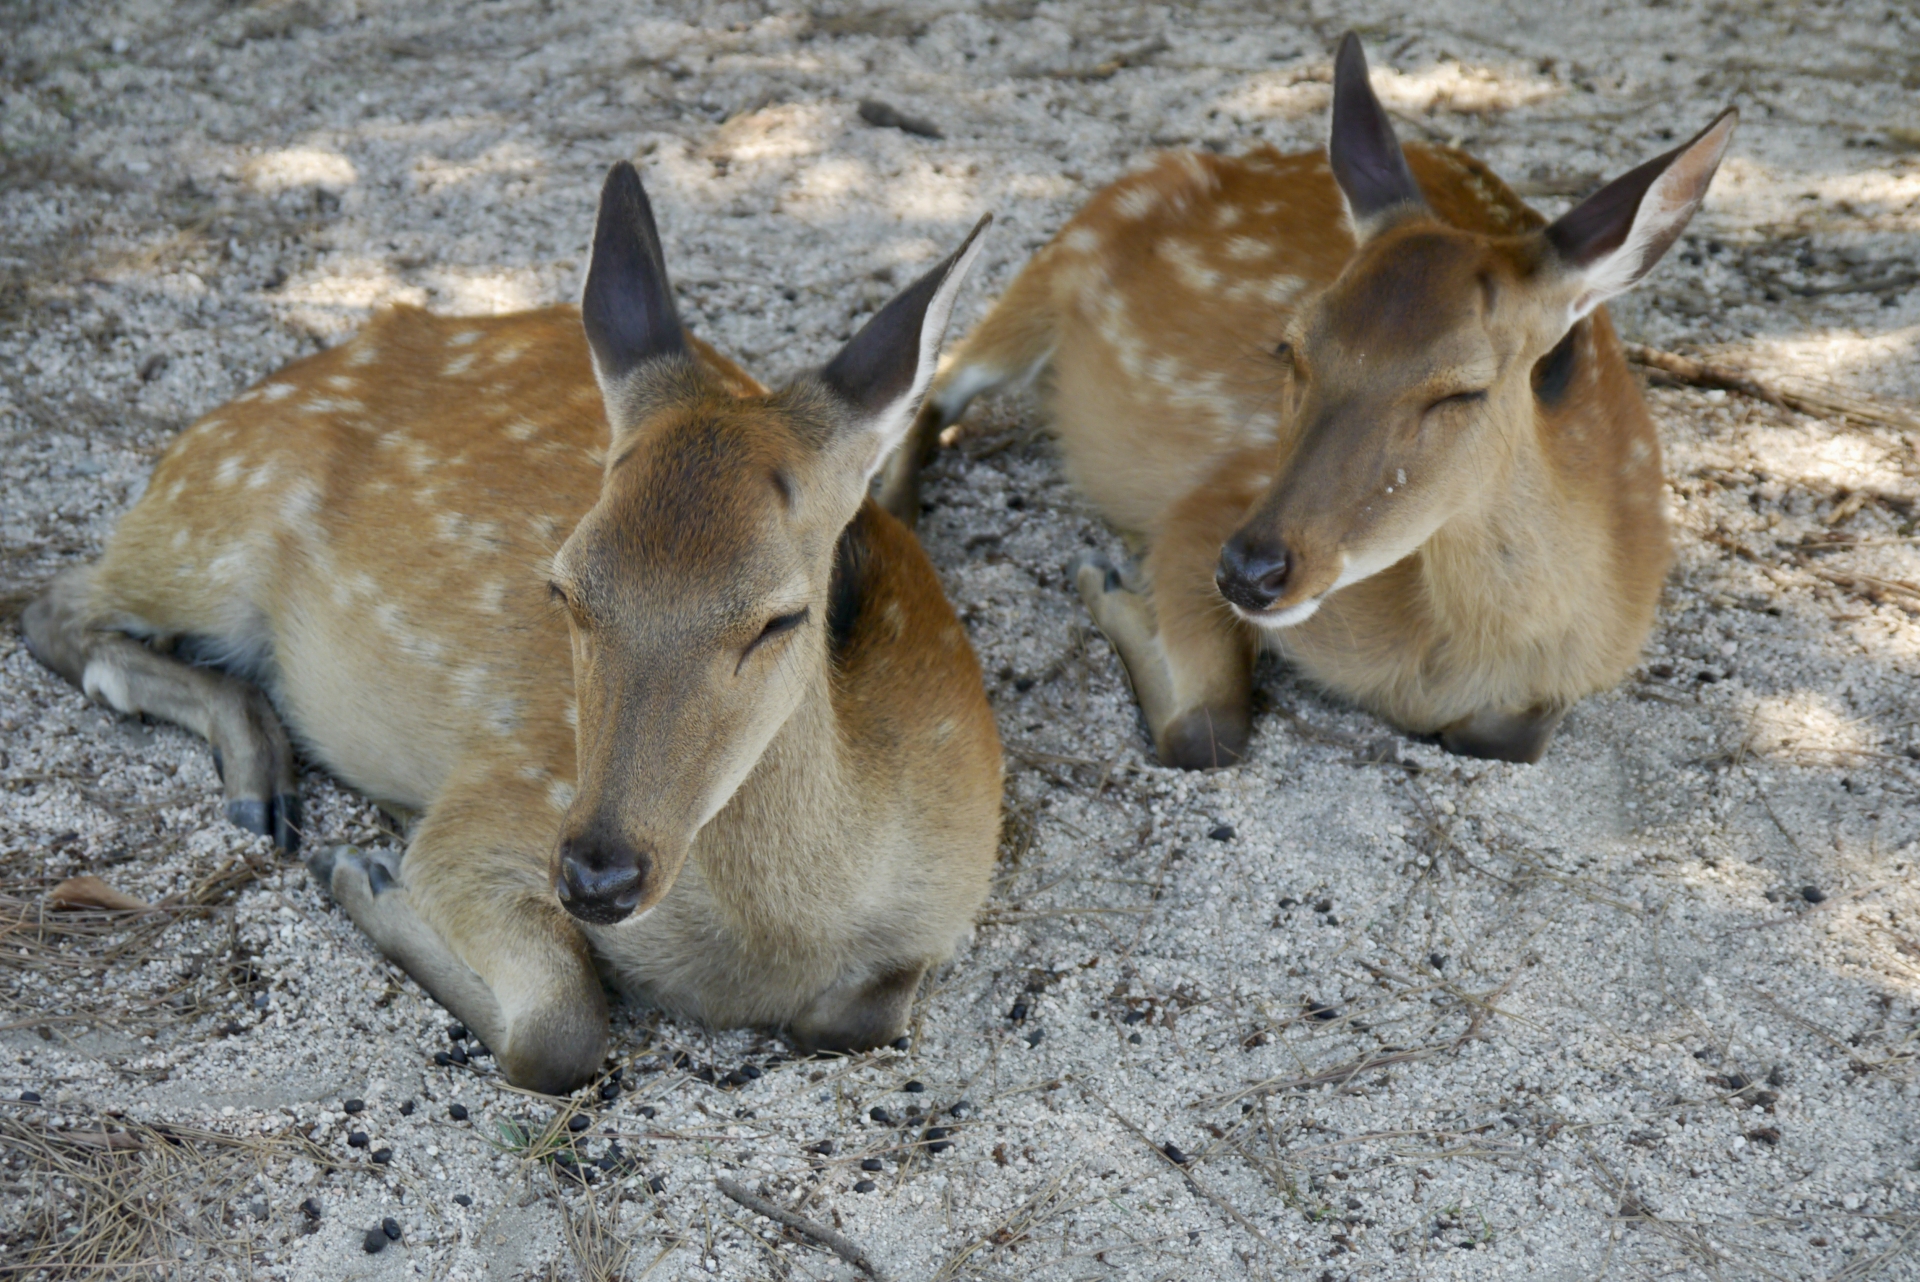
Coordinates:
<point>601,879</point>
<point>1253,572</point>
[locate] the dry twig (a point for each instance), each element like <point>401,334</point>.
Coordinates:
<point>840,1246</point>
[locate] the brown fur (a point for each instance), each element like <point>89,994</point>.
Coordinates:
<point>370,534</point>
<point>1523,536</point>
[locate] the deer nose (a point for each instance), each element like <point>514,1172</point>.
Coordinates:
<point>1252,574</point>
<point>600,879</point>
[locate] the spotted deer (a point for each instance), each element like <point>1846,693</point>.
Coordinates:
<point>1361,406</point>
<point>673,701</point>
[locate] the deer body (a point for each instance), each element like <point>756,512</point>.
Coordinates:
<point>1374,421</point>
<point>518,587</point>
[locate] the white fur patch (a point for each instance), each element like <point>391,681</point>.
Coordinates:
<point>104,682</point>
<point>277,391</point>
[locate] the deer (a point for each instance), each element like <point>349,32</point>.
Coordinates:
<point>1359,406</point>
<point>677,709</point>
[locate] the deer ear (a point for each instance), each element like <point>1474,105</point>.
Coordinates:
<point>628,306</point>
<point>1366,157</point>
<point>883,372</point>
<point>1613,238</point>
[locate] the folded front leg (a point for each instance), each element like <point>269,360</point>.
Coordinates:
<point>469,914</point>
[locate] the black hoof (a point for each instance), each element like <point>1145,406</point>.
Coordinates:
<point>254,816</point>
<point>286,821</point>
<point>219,766</point>
<point>1206,738</point>
<point>320,866</point>
<point>378,878</point>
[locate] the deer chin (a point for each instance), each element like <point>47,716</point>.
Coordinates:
<point>1285,617</point>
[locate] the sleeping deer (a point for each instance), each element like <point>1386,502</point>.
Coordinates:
<point>674,702</point>
<point>1361,406</point>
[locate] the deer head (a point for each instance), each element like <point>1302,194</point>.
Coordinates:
<point>696,588</point>
<point>1421,377</point>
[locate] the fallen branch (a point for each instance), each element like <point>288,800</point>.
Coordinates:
<point>840,1246</point>
<point>1821,402</point>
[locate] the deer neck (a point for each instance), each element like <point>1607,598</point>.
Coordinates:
<point>1509,556</point>
<point>786,844</point>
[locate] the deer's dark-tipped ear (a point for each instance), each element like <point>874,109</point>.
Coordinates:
<point>628,305</point>
<point>1366,157</point>
<point>1613,238</point>
<point>884,370</point>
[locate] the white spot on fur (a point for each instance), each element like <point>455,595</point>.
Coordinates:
<point>1187,265</point>
<point>560,795</point>
<point>331,405</point>
<point>175,490</point>
<point>298,505</point>
<point>522,430</point>
<point>180,538</point>
<point>464,337</point>
<point>1246,248</point>
<point>458,365</point>
<point>1226,216</point>
<point>342,382</point>
<point>492,596</point>
<point>229,470</point>
<point>571,713</point>
<point>263,476</point>
<point>277,391</point>
<point>1081,240</point>
<point>363,351</point>
<point>507,353</point>
<point>1137,203</point>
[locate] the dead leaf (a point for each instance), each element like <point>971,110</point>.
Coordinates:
<point>91,892</point>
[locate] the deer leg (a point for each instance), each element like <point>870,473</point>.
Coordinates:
<point>1192,675</point>
<point>475,923</point>
<point>250,746</point>
<point>1504,736</point>
<point>858,1015</point>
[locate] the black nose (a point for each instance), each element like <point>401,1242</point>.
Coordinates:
<point>1252,574</point>
<point>600,878</point>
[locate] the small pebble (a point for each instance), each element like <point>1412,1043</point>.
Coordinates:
<point>374,1242</point>
<point>961,1108</point>
<point>914,1088</point>
<point>1133,1017</point>
<point>356,1139</point>
<point>1018,1013</point>
<point>1135,1038</point>
<point>609,1090</point>
<point>1813,894</point>
<point>737,1077</point>
<point>1437,960</point>
<point>657,1184</point>
<point>1323,906</point>
<point>902,1043</point>
<point>1321,1012</point>
<point>648,1110</point>
<point>824,1148</point>
<point>461,1199</point>
<point>1221,832</point>
<point>391,1227</point>
<point>29,1097</point>
<point>579,1122</point>
<point>442,1059</point>
<point>913,1110</point>
<point>457,1032</point>
<point>311,1208</point>
<point>872,1164</point>
<point>1174,1154</point>
<point>406,1109</point>
<point>383,1155</point>
<point>1033,1038</point>
<point>880,1115</point>
<point>354,1105</point>
<point>864,1186</point>
<point>458,1054</point>
<point>458,1112</point>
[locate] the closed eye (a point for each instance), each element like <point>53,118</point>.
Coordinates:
<point>777,627</point>
<point>1460,398</point>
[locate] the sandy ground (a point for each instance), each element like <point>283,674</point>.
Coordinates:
<point>1647,1009</point>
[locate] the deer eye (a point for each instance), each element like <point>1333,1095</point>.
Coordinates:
<point>1459,398</point>
<point>778,626</point>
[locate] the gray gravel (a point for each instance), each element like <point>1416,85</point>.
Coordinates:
<point>1647,1009</point>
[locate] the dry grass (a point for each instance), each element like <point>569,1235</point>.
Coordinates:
<point>133,1200</point>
